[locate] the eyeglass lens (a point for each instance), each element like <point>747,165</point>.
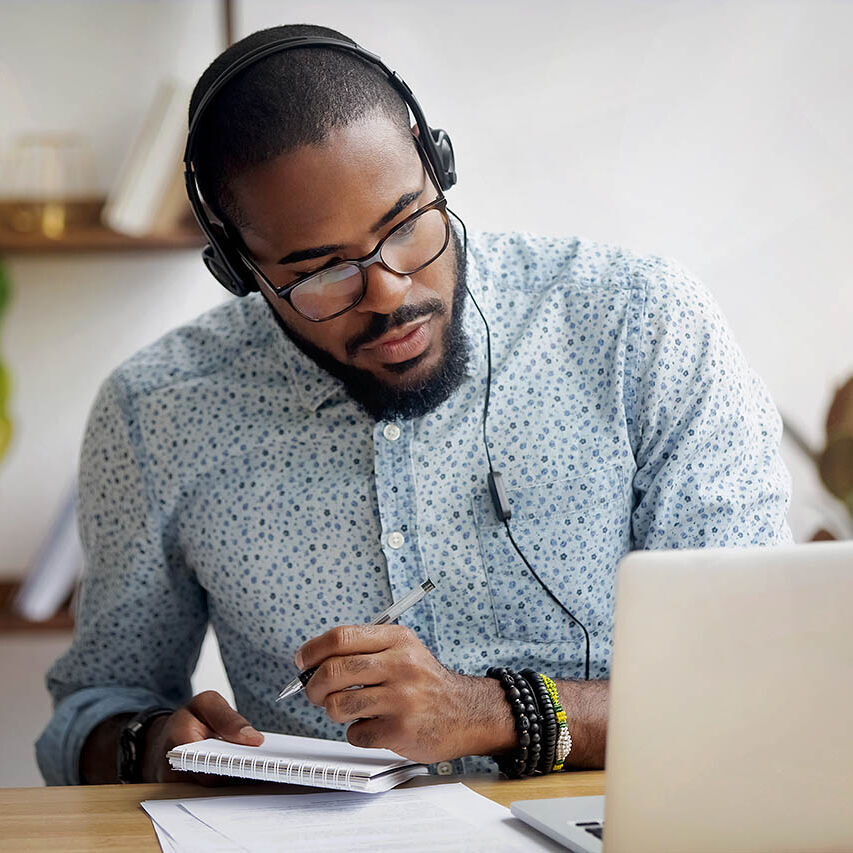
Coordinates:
<point>411,247</point>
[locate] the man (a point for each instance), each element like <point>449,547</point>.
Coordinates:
<point>287,465</point>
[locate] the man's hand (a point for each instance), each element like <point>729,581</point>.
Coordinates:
<point>206,715</point>
<point>406,701</point>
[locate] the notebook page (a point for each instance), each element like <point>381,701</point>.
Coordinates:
<point>446,817</point>
<point>310,751</point>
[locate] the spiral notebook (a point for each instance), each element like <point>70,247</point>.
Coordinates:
<point>299,760</point>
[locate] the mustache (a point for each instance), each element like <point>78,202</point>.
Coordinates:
<point>381,324</point>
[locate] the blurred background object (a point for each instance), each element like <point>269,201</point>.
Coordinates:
<point>5,379</point>
<point>834,464</point>
<point>149,196</point>
<point>48,183</point>
<point>48,585</point>
<point>836,461</point>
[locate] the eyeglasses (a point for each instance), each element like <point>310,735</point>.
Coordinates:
<point>406,249</point>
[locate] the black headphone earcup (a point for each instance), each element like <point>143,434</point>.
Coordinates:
<point>226,266</point>
<point>446,167</point>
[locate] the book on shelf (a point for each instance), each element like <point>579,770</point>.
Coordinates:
<point>58,565</point>
<point>145,199</point>
<point>174,212</point>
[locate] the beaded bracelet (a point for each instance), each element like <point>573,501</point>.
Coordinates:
<point>564,738</point>
<point>535,748</point>
<point>527,724</point>
<point>549,719</point>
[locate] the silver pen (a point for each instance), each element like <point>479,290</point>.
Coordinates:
<point>395,611</point>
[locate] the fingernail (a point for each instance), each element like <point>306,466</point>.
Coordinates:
<point>298,660</point>
<point>249,731</point>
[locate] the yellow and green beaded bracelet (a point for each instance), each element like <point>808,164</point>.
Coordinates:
<point>564,739</point>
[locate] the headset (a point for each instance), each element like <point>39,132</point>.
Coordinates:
<point>222,257</point>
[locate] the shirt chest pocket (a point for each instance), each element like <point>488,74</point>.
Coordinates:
<point>573,532</point>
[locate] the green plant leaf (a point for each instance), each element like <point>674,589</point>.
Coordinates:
<point>5,289</point>
<point>5,434</point>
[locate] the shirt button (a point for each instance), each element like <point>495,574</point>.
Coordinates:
<point>444,768</point>
<point>396,540</point>
<point>391,432</point>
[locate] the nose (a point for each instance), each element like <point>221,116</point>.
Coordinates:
<point>386,290</point>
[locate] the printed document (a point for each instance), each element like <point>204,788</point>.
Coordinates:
<point>446,817</point>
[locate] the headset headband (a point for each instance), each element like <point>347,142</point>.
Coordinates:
<point>280,45</point>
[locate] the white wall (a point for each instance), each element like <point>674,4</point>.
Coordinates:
<point>715,132</point>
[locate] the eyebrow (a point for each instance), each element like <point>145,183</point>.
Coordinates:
<point>321,251</point>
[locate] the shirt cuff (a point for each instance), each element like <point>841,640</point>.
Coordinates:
<point>58,748</point>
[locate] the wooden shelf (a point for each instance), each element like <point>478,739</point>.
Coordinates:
<point>85,233</point>
<point>10,622</point>
<point>96,238</point>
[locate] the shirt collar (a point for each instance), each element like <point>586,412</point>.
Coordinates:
<point>312,384</point>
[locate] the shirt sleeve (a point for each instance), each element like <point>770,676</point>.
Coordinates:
<point>704,431</point>
<point>141,613</point>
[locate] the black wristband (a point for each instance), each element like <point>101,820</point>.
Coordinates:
<point>527,725</point>
<point>130,743</point>
<point>549,719</point>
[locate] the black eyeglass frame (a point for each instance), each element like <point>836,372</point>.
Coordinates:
<point>285,291</point>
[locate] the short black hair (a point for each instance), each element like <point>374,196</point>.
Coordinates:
<point>280,103</point>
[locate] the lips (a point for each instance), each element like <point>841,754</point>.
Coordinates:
<point>402,343</point>
<point>397,334</point>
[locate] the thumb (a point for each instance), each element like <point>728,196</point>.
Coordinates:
<point>223,720</point>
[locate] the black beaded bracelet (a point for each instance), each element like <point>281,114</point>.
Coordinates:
<point>549,720</point>
<point>550,729</point>
<point>535,748</point>
<point>521,700</point>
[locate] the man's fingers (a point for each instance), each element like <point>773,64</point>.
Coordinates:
<point>348,705</point>
<point>350,640</point>
<point>366,733</point>
<point>206,715</point>
<point>339,673</point>
<point>223,720</point>
<point>185,727</point>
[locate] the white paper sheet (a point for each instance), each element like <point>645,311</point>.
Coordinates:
<point>165,840</point>
<point>180,832</point>
<point>448,817</point>
<point>410,819</point>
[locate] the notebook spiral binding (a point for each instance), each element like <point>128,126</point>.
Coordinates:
<point>266,769</point>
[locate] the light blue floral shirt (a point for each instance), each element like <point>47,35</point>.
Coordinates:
<point>226,478</point>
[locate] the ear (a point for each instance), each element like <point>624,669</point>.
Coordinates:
<point>416,131</point>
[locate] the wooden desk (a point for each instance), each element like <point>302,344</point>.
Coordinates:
<point>108,817</point>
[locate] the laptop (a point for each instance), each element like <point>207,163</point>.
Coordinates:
<point>731,707</point>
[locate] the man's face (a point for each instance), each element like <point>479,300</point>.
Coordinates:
<point>321,204</point>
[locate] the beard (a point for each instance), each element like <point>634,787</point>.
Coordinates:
<point>381,400</point>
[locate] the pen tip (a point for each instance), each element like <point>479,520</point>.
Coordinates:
<point>294,687</point>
